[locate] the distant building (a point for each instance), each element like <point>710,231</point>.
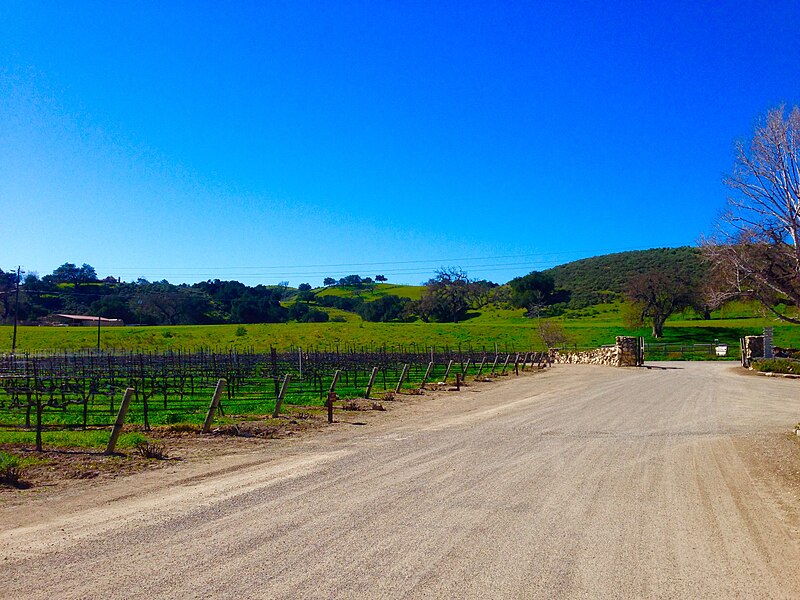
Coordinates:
<point>84,321</point>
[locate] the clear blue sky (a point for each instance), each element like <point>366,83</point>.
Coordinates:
<point>271,141</point>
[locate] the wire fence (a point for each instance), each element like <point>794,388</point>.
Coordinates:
<point>84,389</point>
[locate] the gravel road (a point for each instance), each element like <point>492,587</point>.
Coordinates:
<point>582,482</point>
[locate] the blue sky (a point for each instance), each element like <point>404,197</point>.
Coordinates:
<point>272,141</point>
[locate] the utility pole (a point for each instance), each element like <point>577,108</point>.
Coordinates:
<point>16,312</point>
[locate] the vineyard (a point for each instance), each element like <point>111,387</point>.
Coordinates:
<point>81,390</point>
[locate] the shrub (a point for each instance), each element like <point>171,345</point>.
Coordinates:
<point>241,331</point>
<point>776,365</point>
<point>151,450</point>
<point>11,469</point>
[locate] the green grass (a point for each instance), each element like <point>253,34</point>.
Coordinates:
<point>589,327</point>
<point>412,292</point>
<point>777,365</point>
<point>91,438</point>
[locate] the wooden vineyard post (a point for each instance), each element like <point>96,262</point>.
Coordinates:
<point>465,370</point>
<point>38,421</point>
<point>287,378</point>
<point>123,410</point>
<point>427,374</point>
<point>516,364</point>
<point>402,378</point>
<point>273,357</point>
<point>494,364</point>
<point>447,372</point>
<point>505,364</point>
<point>458,382</point>
<point>212,409</point>
<point>332,394</point>
<point>480,367</point>
<point>525,360</point>
<point>371,382</point>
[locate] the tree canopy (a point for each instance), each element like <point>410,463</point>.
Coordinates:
<point>756,250</point>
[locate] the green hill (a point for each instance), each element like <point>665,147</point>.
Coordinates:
<point>602,278</point>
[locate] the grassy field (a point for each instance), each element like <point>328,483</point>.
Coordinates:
<point>412,292</point>
<point>587,328</point>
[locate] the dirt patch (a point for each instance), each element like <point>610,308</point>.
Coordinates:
<point>61,469</point>
<point>773,459</point>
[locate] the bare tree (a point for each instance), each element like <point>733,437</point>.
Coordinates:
<point>756,252</point>
<point>552,334</point>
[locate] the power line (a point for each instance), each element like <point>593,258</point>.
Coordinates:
<point>432,261</point>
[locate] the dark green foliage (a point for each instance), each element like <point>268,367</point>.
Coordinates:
<point>602,278</point>
<point>387,308</point>
<point>535,291</point>
<point>259,305</point>
<point>316,316</point>
<point>69,273</point>
<point>8,283</point>
<point>340,302</point>
<point>114,307</point>
<point>351,280</point>
<point>303,313</point>
<point>447,297</point>
<point>305,296</point>
<point>304,287</point>
<point>224,293</point>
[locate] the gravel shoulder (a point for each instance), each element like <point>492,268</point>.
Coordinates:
<point>582,482</point>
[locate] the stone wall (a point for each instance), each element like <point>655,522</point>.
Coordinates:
<point>622,354</point>
<point>753,348</point>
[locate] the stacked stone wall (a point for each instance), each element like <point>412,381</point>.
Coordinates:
<point>622,354</point>
<point>753,348</point>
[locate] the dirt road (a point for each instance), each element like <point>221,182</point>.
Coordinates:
<point>583,482</point>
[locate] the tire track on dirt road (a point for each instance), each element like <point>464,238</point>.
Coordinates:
<point>584,482</point>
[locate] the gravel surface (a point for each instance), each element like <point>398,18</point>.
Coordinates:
<point>583,482</point>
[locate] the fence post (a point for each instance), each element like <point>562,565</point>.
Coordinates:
<point>458,382</point>
<point>38,421</point>
<point>466,368</point>
<point>427,374</point>
<point>371,382</point>
<point>505,364</point>
<point>336,375</point>
<point>447,372</point>
<point>332,394</point>
<point>402,378</point>
<point>494,364</point>
<point>516,364</point>
<point>480,368</point>
<point>123,410</point>
<point>212,408</point>
<point>287,378</point>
